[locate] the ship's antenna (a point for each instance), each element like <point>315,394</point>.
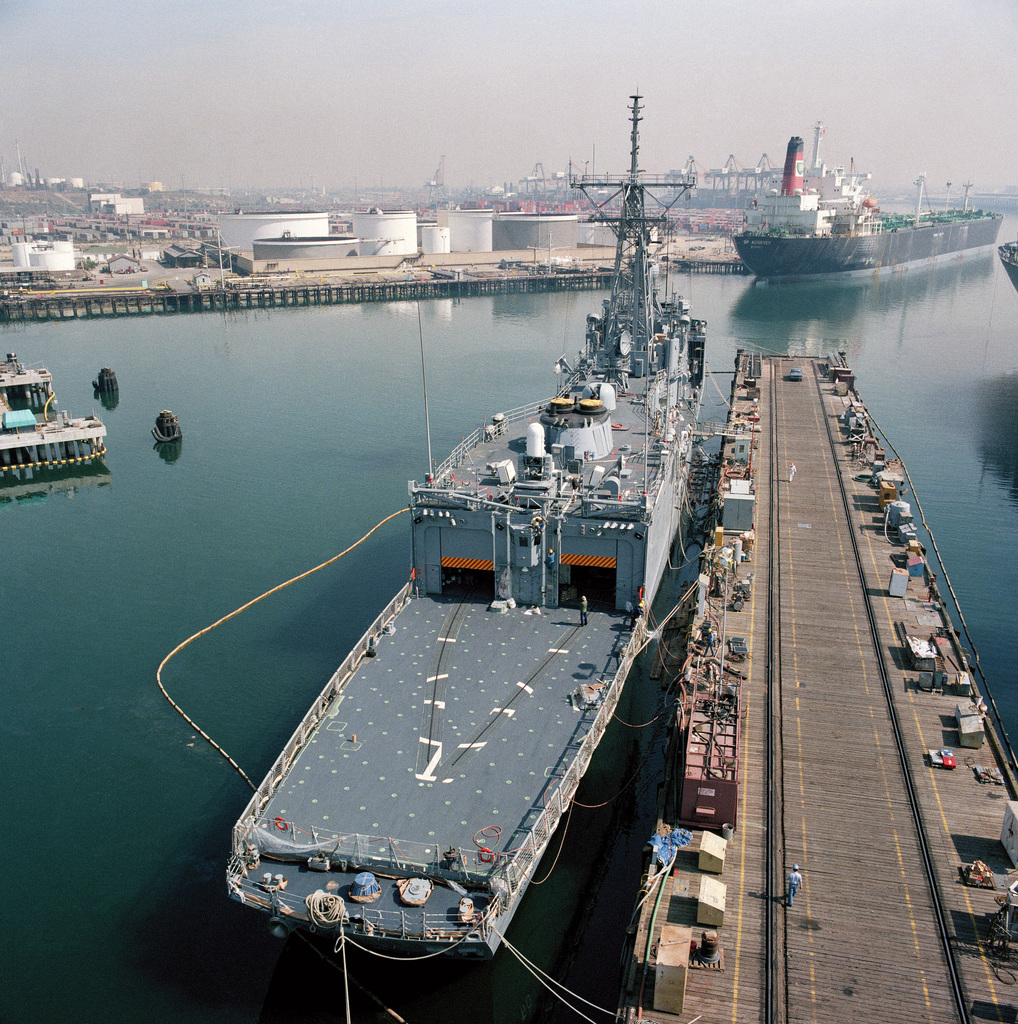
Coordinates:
<point>634,169</point>
<point>424,377</point>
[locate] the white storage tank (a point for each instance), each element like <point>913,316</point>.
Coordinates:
<point>386,232</point>
<point>43,255</point>
<point>591,233</point>
<point>434,239</point>
<point>240,228</point>
<point>76,182</point>
<point>52,256</point>
<point>469,230</point>
<point>516,231</point>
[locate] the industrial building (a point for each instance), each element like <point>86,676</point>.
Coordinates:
<point>115,203</point>
<point>183,256</point>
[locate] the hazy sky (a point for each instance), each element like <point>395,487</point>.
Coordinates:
<point>263,93</point>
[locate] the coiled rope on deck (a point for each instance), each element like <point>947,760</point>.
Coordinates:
<point>208,629</point>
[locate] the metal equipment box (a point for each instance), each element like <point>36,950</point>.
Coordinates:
<point>737,514</point>
<point>970,726</point>
<point>712,853</point>
<point>710,908</point>
<point>672,968</point>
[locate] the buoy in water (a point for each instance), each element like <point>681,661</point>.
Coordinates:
<point>106,382</point>
<point>167,427</point>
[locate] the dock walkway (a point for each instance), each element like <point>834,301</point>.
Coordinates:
<point>854,799</point>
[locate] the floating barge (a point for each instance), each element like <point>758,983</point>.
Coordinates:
<point>32,439</point>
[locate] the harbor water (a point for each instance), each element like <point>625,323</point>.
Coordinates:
<point>301,428</point>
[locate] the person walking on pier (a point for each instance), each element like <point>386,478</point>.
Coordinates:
<point>794,881</point>
<point>791,472</point>
<point>583,610</point>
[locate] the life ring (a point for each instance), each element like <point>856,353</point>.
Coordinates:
<point>281,825</point>
<point>485,856</point>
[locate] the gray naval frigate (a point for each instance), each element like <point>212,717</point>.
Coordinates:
<point>410,810</point>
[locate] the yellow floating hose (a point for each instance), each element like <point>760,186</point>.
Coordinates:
<point>208,629</point>
<point>45,408</point>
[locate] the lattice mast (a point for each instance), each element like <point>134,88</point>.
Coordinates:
<point>624,342</point>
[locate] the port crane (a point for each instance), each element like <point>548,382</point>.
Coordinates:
<point>436,187</point>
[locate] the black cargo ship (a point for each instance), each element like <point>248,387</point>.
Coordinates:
<point>809,255</point>
<point>824,222</point>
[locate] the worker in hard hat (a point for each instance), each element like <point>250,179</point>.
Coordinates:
<point>794,881</point>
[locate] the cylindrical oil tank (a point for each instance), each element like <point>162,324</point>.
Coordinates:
<point>534,231</point>
<point>435,239</point>
<point>240,228</point>
<point>535,440</point>
<point>386,232</point>
<point>76,182</point>
<point>19,250</point>
<point>284,249</point>
<point>51,255</point>
<point>470,230</point>
<point>593,233</point>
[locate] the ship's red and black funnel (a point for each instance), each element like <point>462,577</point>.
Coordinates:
<point>791,180</point>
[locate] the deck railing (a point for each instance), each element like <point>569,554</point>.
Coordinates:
<point>459,454</point>
<point>508,874</point>
<point>411,924</point>
<point>314,715</point>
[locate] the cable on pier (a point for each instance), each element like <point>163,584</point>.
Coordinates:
<point>208,629</point>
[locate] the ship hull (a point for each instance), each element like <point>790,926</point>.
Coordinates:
<point>801,257</point>
<point>1009,257</point>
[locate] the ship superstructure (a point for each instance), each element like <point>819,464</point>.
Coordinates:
<point>410,809</point>
<point>824,221</point>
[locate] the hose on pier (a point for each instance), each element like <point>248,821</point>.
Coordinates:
<point>208,629</point>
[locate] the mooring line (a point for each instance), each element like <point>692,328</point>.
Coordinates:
<point>208,629</point>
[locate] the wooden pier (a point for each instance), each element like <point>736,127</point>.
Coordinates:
<point>67,304</point>
<point>71,304</point>
<point>835,771</point>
